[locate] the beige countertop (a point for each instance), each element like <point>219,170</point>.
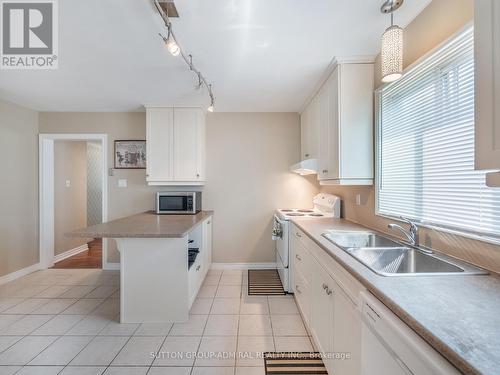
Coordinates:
<point>457,315</point>
<point>145,225</point>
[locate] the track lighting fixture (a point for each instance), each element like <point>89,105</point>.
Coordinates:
<point>176,50</point>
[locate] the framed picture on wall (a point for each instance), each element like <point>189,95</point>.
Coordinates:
<point>130,154</point>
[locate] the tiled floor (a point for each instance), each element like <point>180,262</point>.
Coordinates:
<point>66,321</point>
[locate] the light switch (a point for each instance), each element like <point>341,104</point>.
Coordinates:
<point>68,183</point>
<point>122,183</point>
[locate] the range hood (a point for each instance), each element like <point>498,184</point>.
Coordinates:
<point>305,167</point>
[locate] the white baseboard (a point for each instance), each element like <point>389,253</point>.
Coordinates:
<point>242,266</point>
<point>111,266</point>
<point>70,253</point>
<point>20,273</point>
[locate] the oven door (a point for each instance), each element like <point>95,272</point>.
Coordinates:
<point>282,243</point>
<point>173,203</point>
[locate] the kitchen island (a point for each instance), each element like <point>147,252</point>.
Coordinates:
<point>158,283</point>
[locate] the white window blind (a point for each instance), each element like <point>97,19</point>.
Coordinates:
<point>425,145</point>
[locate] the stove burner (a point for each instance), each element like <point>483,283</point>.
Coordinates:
<point>295,214</point>
<point>286,210</point>
<point>305,211</point>
<point>316,215</point>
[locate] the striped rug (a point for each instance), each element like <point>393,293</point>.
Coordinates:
<point>264,283</point>
<point>294,363</point>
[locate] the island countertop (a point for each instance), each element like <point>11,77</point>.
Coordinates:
<point>145,225</point>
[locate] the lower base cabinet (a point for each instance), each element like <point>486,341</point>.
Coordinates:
<point>202,238</point>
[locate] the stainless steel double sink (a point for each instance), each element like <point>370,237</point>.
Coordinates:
<point>387,257</point>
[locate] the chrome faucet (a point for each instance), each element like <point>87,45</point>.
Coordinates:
<point>412,234</point>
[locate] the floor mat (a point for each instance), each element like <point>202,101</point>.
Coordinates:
<point>294,363</point>
<point>264,283</point>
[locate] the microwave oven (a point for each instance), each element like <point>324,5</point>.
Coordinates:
<point>175,202</point>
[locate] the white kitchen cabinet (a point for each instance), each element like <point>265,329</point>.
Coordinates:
<point>322,319</point>
<point>175,146</point>
<point>487,86</point>
<point>159,144</point>
<point>342,114</point>
<point>346,333</point>
<point>309,128</point>
<point>202,239</point>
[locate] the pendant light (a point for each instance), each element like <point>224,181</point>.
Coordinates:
<point>392,45</point>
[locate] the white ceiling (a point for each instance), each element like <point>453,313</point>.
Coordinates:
<point>261,55</point>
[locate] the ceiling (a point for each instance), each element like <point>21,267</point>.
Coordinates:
<point>261,55</point>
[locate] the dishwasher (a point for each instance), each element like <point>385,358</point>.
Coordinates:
<point>390,347</point>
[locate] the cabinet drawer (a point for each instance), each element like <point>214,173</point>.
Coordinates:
<point>301,259</point>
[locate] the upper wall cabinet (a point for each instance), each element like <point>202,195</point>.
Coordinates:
<point>309,127</point>
<point>487,86</point>
<point>175,146</point>
<point>342,116</point>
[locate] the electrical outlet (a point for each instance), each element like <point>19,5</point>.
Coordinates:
<point>358,199</point>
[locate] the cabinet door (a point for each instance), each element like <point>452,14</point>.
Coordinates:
<point>304,136</point>
<point>207,241</point>
<point>313,129</point>
<point>346,333</point>
<point>322,319</point>
<point>487,83</point>
<point>159,143</point>
<point>188,144</point>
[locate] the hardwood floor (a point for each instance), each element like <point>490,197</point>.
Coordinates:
<point>87,259</point>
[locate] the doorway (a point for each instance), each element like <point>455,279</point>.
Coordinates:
<point>73,194</point>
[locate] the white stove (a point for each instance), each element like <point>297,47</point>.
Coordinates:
<point>324,206</point>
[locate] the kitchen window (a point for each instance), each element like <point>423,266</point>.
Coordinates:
<point>425,146</point>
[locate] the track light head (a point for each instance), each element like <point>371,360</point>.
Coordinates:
<point>172,46</point>
<point>211,107</point>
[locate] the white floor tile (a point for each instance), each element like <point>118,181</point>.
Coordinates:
<point>58,325</point>
<point>293,344</point>
<point>83,306</point>
<point>170,371</point>
<point>61,352</point>
<point>255,325</point>
<point>25,350</point>
<point>55,306</point>
<point>27,306</point>
<point>254,306</point>
<point>193,327</point>
<point>119,329</point>
<point>7,320</point>
<point>222,325</point>
<point>251,349</point>
<point>201,306</point>
<point>26,325</point>
<point>250,371</point>
<point>207,291</point>
<point>8,341</point>
<point>110,306</point>
<point>126,370</point>
<point>82,370</point>
<point>288,325</point>
<point>232,273</point>
<point>9,302</point>
<point>226,306</point>
<point>231,279</point>
<point>9,370</point>
<point>54,291</point>
<point>217,351</point>
<point>212,280</point>
<point>138,351</point>
<point>100,351</point>
<point>213,371</point>
<point>282,305</point>
<point>40,370</point>
<point>103,291</point>
<point>177,351</point>
<point>153,329</point>
<point>78,291</point>
<point>228,291</point>
<point>90,325</point>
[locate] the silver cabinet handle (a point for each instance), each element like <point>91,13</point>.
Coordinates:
<point>208,222</point>
<point>325,171</point>
<point>306,155</point>
<point>325,287</point>
<point>297,256</point>
<point>298,234</point>
<point>198,268</point>
<point>328,292</point>
<point>298,289</point>
<point>198,175</point>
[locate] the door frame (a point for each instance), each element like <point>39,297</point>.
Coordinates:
<point>46,192</point>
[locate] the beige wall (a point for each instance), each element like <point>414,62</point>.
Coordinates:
<point>440,20</point>
<point>70,205</point>
<point>248,156</point>
<point>18,188</point>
